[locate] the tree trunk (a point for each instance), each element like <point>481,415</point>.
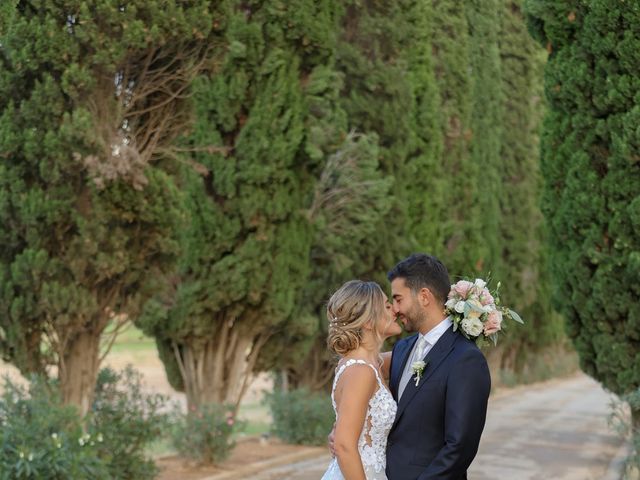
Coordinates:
<point>78,368</point>
<point>315,372</point>
<point>218,370</point>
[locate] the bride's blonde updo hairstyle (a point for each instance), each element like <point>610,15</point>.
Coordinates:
<point>354,305</point>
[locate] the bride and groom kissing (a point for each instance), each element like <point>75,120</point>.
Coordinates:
<point>416,413</point>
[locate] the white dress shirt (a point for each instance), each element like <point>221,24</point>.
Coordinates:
<point>429,339</point>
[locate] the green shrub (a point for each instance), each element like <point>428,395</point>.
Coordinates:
<point>300,416</point>
<point>205,434</point>
<point>126,420</point>
<point>42,439</point>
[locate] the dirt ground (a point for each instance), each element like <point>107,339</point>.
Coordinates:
<point>245,452</point>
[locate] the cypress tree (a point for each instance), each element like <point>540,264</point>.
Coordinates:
<point>88,213</point>
<point>350,198</point>
<point>377,98</point>
<point>590,164</point>
<point>523,254</point>
<point>424,177</point>
<point>389,93</point>
<point>486,123</point>
<point>451,53</point>
<point>248,243</point>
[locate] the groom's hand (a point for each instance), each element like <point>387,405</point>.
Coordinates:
<point>331,441</point>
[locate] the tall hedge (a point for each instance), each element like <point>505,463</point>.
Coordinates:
<point>486,125</point>
<point>423,178</point>
<point>522,230</point>
<point>591,169</point>
<point>451,53</point>
<point>389,94</point>
<point>88,213</point>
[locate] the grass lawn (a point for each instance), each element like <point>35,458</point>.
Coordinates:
<point>133,340</point>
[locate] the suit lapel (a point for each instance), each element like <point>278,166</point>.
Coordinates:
<point>397,368</point>
<point>433,359</point>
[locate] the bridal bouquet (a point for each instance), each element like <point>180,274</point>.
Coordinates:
<point>475,310</point>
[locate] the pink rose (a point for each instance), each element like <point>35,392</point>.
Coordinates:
<point>486,298</point>
<point>462,288</point>
<point>493,323</point>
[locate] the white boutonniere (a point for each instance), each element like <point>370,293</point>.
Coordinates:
<point>417,368</point>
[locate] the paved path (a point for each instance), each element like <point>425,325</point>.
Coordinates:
<point>557,430</point>
<point>551,431</point>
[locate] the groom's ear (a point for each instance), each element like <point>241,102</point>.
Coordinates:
<point>425,297</point>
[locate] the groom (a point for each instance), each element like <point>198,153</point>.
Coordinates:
<point>440,419</point>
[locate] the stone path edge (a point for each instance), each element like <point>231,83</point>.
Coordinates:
<point>616,466</point>
<point>242,473</point>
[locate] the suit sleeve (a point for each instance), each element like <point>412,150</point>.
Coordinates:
<point>468,388</point>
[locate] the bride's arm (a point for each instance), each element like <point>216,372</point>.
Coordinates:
<point>354,389</point>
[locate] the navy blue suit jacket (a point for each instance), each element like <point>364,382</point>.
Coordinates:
<point>437,429</point>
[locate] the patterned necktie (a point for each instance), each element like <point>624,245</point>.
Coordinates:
<point>420,348</point>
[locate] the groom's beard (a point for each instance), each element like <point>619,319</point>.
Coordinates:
<point>414,319</point>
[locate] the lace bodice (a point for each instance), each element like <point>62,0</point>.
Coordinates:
<point>379,418</point>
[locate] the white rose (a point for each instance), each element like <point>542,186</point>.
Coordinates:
<point>479,284</point>
<point>460,306</point>
<point>472,326</point>
<point>450,303</point>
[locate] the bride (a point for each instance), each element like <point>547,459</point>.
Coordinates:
<point>360,319</point>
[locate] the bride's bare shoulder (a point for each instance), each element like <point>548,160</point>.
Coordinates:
<point>357,378</point>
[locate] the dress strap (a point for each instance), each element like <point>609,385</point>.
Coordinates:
<point>343,367</point>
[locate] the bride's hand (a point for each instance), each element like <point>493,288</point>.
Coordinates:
<point>331,441</point>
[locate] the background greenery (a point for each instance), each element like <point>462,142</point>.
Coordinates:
<point>212,171</point>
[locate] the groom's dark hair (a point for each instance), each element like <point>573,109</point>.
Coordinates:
<point>423,271</point>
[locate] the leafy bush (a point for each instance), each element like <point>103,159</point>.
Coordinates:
<point>42,439</point>
<point>620,420</point>
<point>125,420</point>
<point>300,416</point>
<point>205,434</point>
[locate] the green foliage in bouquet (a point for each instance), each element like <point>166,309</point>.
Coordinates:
<point>591,168</point>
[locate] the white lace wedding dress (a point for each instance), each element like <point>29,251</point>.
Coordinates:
<point>372,444</point>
